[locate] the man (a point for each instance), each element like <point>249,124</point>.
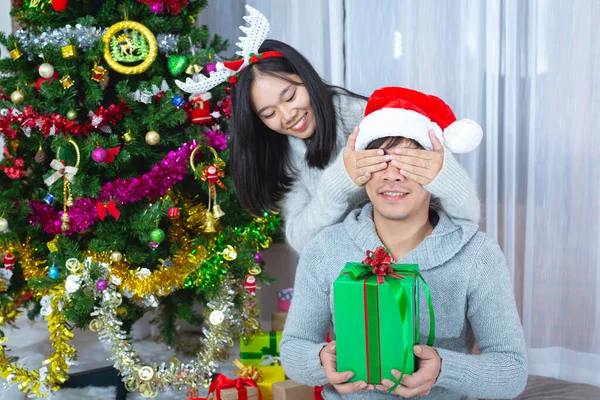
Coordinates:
<point>465,269</point>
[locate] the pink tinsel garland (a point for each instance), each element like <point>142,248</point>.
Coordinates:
<point>164,175</point>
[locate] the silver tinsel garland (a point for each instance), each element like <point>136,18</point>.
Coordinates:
<point>83,36</point>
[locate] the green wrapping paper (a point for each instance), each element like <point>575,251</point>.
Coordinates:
<point>377,320</point>
<point>262,347</point>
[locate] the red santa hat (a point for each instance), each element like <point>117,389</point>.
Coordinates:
<point>396,111</point>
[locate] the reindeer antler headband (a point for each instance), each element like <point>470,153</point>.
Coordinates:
<point>256,34</point>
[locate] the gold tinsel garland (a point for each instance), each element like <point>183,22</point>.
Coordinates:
<point>55,369</point>
<point>235,319</point>
<point>29,262</point>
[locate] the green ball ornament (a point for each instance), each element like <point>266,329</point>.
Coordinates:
<point>177,64</point>
<point>157,235</point>
<point>72,115</point>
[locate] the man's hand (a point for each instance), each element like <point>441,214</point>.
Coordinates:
<point>421,382</point>
<point>339,379</point>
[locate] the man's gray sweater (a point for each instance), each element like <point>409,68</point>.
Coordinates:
<point>472,297</point>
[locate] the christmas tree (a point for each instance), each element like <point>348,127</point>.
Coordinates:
<point>114,193</point>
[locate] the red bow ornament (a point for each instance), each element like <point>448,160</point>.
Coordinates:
<point>108,208</point>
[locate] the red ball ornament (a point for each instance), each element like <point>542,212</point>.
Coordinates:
<point>60,5</point>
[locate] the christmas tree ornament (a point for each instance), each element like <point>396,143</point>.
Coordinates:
<point>116,256</point>
<point>3,225</point>
<point>211,173</point>
<point>250,284</point>
<point>178,101</point>
<point>53,273</point>
<point>128,137</point>
<point>216,317</point>
<point>217,211</point>
<point>128,42</point>
<point>109,208</point>
<point>157,235</point>
<point>101,285</point>
<point>99,155</point>
<point>49,199</point>
<point>209,227</point>
<point>229,253</point>
<point>157,7</point>
<point>60,5</point>
<point>258,257</point>
<point>65,226</point>
<point>53,245</point>
<point>201,108</point>
<point>9,261</point>
<point>98,72</point>
<point>69,51</point>
<point>71,115</point>
<point>173,212</point>
<point>67,173</point>
<point>152,138</point>
<point>15,53</point>
<point>66,81</point>
<point>177,64</point>
<point>146,96</point>
<point>17,97</point>
<point>210,67</point>
<point>46,70</point>
<point>39,82</point>
<point>40,155</point>
<point>193,69</point>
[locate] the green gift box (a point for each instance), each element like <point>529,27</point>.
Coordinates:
<point>376,312</point>
<point>262,348</point>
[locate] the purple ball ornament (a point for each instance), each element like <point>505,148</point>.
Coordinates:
<point>99,155</point>
<point>154,245</point>
<point>210,67</point>
<point>258,258</point>
<point>157,7</point>
<point>101,285</point>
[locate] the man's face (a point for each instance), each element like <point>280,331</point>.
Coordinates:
<point>395,197</point>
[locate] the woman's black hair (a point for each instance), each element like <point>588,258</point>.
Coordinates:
<point>259,157</point>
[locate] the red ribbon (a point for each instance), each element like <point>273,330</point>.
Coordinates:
<point>29,118</point>
<point>109,208</point>
<point>380,260</point>
<point>222,382</point>
<point>111,154</point>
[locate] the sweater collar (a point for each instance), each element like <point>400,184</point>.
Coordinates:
<point>448,237</point>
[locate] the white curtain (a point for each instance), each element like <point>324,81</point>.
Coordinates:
<point>529,72</point>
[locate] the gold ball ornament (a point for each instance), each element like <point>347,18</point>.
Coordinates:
<point>137,44</point>
<point>152,138</point>
<point>17,97</point>
<point>116,256</point>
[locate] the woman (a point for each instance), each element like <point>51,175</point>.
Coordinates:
<point>291,149</point>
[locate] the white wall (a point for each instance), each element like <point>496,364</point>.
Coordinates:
<point>5,23</point>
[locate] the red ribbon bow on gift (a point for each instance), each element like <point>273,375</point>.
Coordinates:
<point>108,208</point>
<point>222,382</point>
<point>380,261</point>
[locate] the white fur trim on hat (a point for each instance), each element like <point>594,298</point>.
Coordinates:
<point>396,122</point>
<point>463,136</point>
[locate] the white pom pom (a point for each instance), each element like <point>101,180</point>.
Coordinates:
<point>463,136</point>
